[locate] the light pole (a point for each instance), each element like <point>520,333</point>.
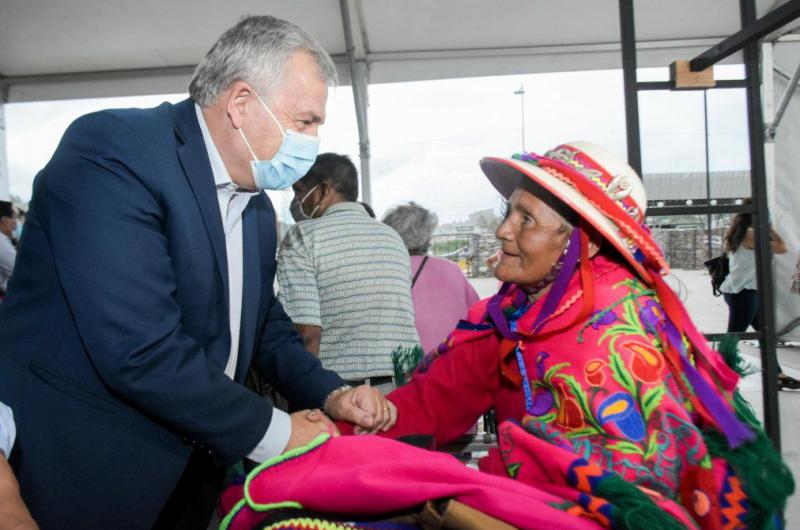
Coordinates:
<point>521,94</point>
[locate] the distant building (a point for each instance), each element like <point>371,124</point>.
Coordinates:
<point>677,188</point>
<point>480,222</point>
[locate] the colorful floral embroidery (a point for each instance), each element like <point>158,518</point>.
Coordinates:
<point>647,363</point>
<point>619,410</point>
<point>594,372</point>
<point>613,415</point>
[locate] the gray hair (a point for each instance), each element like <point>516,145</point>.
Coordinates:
<point>415,225</point>
<point>255,51</point>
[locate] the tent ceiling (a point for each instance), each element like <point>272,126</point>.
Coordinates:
<point>88,48</point>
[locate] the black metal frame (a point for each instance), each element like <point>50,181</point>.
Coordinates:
<point>747,41</point>
<point>628,31</point>
<point>751,31</point>
<point>758,187</point>
<point>667,85</point>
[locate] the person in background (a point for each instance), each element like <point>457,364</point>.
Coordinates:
<point>17,234</point>
<point>8,252</point>
<point>344,277</point>
<point>442,295</point>
<point>14,515</point>
<point>739,288</point>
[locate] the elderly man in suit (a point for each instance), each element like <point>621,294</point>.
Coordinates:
<point>143,294</point>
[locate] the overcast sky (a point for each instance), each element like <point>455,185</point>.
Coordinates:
<point>427,137</point>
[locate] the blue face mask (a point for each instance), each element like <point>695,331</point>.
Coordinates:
<point>17,232</point>
<point>294,158</point>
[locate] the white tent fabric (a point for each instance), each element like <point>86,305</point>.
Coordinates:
<point>787,194</point>
<point>93,48</point>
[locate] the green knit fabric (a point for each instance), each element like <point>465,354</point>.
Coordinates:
<point>404,361</point>
<point>633,509</point>
<point>766,479</point>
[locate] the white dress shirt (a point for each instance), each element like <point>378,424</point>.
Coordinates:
<point>8,255</point>
<point>8,431</point>
<point>232,202</point>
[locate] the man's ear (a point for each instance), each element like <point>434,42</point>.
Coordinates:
<point>238,102</point>
<point>326,190</point>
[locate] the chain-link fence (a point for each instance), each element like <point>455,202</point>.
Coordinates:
<point>467,250</point>
<point>684,247</point>
<point>689,240</point>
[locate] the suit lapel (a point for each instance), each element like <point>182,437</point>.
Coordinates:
<point>251,286</point>
<point>197,168</point>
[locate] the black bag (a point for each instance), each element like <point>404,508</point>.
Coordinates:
<point>718,267</point>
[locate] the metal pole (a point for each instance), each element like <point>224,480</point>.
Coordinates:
<point>358,81</point>
<point>710,252</point>
<point>522,103</point>
<point>363,131</point>
<point>521,94</point>
<point>787,96</point>
<point>628,38</point>
<point>766,309</point>
<point>768,115</point>
<point>5,193</point>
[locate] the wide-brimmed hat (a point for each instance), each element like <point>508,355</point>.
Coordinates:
<point>602,189</point>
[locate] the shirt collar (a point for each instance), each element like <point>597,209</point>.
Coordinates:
<point>221,176</point>
<point>345,206</point>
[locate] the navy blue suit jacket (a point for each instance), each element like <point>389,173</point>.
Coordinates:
<point>115,332</point>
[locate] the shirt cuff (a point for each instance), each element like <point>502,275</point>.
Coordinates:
<point>8,431</point>
<point>275,439</point>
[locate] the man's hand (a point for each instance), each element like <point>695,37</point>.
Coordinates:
<point>366,407</point>
<point>307,425</point>
<point>13,513</point>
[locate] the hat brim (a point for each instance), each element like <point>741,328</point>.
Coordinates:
<point>506,175</point>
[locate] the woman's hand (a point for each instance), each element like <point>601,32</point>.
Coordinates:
<point>366,407</point>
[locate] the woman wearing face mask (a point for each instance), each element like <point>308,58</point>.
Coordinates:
<point>8,254</point>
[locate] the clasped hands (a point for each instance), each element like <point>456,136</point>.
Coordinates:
<point>363,405</point>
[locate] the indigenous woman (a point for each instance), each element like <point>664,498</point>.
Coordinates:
<point>593,359</point>
<point>613,410</point>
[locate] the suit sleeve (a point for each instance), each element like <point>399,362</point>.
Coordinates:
<point>104,220</point>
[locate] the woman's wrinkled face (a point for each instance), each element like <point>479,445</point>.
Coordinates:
<point>533,236</point>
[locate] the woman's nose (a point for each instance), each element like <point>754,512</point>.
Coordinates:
<point>503,230</point>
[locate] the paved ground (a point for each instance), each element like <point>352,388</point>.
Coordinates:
<point>710,314</point>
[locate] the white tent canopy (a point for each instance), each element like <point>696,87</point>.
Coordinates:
<point>97,48</point>
<point>94,48</point>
